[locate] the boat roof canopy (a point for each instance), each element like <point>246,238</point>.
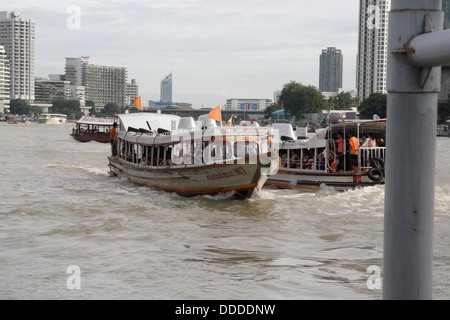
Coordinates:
<point>144,120</point>
<point>96,121</point>
<point>369,126</point>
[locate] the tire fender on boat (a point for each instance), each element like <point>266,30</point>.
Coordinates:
<point>376,173</point>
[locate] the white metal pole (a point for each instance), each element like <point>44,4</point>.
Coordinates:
<point>413,91</point>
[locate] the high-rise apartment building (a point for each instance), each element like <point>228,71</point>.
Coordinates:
<point>4,80</point>
<point>103,84</point>
<point>46,90</point>
<point>131,91</point>
<point>247,104</point>
<point>166,89</point>
<point>17,37</point>
<point>331,70</point>
<point>373,47</point>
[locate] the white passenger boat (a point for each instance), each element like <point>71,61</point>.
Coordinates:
<point>312,160</point>
<point>192,158</point>
<point>52,118</point>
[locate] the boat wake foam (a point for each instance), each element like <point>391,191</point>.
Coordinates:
<point>92,170</point>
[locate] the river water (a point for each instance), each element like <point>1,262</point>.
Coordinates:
<point>70,231</point>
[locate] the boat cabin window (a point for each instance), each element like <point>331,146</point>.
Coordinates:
<point>243,149</point>
<point>187,152</point>
<point>305,159</point>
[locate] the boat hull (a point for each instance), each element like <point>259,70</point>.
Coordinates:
<point>314,180</point>
<point>51,121</point>
<point>87,137</point>
<point>241,179</point>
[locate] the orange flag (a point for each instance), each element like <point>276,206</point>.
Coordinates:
<point>230,122</point>
<point>137,102</point>
<point>216,114</point>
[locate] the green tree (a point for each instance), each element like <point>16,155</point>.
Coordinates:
<point>111,109</point>
<point>92,111</point>
<point>343,101</point>
<point>19,106</point>
<point>67,107</point>
<point>134,109</point>
<point>271,108</point>
<point>375,104</point>
<point>298,99</point>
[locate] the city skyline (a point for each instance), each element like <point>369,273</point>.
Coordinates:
<point>215,50</point>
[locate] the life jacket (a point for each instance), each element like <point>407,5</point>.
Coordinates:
<point>112,133</point>
<point>353,145</point>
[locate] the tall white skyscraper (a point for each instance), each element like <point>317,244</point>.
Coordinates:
<point>4,80</point>
<point>166,89</point>
<point>131,91</point>
<point>373,46</point>
<point>17,36</point>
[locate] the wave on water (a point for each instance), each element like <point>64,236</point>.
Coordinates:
<point>92,170</point>
<point>442,200</point>
<point>367,200</point>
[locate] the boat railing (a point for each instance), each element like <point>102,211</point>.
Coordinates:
<point>368,153</point>
<point>310,164</point>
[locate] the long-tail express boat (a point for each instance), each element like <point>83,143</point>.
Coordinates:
<point>193,158</point>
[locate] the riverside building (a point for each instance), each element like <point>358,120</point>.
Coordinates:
<point>247,104</point>
<point>17,38</point>
<point>373,46</point>
<point>103,84</point>
<point>47,89</point>
<point>4,80</point>
<point>166,89</point>
<point>131,91</point>
<point>331,67</point>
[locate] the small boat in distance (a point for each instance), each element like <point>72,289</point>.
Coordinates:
<point>310,160</point>
<point>93,129</point>
<point>10,119</point>
<point>192,158</point>
<point>52,118</point>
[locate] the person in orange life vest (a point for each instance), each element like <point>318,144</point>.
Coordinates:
<point>353,151</point>
<point>112,136</point>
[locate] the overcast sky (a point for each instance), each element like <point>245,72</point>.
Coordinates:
<point>215,49</point>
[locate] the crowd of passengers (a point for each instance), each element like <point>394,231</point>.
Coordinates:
<point>342,154</point>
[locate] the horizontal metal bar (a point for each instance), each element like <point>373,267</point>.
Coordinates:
<point>430,49</point>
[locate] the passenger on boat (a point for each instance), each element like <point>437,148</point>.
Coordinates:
<point>113,137</point>
<point>364,141</point>
<point>372,143</point>
<point>353,151</point>
<point>306,160</point>
<point>283,158</point>
<point>364,144</point>
<point>294,160</point>
<point>340,152</point>
<point>321,160</point>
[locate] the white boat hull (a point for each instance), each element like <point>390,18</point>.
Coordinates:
<point>312,181</point>
<point>51,121</point>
